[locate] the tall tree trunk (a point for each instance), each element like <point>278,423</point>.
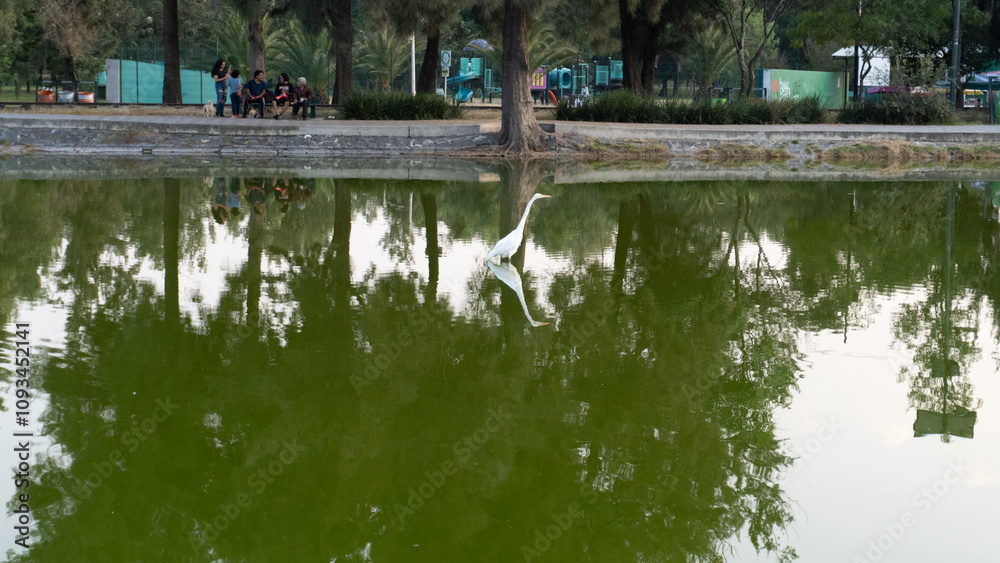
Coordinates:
<point>343,43</point>
<point>857,73</point>
<point>519,130</point>
<point>427,81</point>
<point>171,55</point>
<point>255,29</point>
<point>641,47</point>
<point>631,73</point>
<point>741,61</point>
<point>677,77</point>
<point>650,56</point>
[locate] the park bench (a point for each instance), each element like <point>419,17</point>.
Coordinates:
<point>261,106</point>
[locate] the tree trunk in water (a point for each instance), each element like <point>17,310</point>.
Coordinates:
<point>428,201</point>
<point>255,253</point>
<point>628,210</point>
<point>171,247</point>
<point>427,81</point>
<point>171,55</point>
<point>340,265</point>
<point>650,248</point>
<point>343,43</point>
<point>519,131</point>
<point>255,29</point>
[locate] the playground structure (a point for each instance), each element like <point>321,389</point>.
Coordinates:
<point>567,83</point>
<point>474,78</point>
<point>470,70</point>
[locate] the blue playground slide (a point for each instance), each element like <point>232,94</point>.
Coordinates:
<point>464,94</point>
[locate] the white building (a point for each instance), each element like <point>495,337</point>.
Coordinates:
<point>879,73</point>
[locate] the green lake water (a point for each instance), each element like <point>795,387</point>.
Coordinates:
<point>667,371</point>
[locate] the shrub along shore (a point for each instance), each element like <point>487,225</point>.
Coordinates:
<point>623,106</point>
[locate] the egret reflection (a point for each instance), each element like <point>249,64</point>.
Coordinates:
<point>512,279</point>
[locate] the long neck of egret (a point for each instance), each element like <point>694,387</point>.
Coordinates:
<point>524,218</point>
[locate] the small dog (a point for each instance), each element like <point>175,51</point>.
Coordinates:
<point>253,112</point>
<point>208,109</point>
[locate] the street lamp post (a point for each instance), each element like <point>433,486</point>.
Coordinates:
<point>152,37</point>
<point>955,51</point>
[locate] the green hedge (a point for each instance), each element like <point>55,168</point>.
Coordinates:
<point>366,104</point>
<point>623,106</point>
<point>899,109</point>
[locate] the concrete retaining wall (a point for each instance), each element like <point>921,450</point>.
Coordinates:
<point>234,137</point>
<point>164,135</point>
<point>449,169</point>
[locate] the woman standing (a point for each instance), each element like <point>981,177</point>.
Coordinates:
<point>221,77</point>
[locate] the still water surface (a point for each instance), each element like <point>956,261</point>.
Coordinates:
<point>709,371</point>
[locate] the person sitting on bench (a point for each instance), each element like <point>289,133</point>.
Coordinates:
<point>282,95</point>
<point>256,91</point>
<point>302,96</point>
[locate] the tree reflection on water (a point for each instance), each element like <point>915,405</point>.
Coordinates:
<point>648,404</point>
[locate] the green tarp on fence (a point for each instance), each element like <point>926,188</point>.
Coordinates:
<point>782,84</point>
<point>131,82</point>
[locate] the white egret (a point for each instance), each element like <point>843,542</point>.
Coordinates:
<point>509,244</point>
<point>508,275</point>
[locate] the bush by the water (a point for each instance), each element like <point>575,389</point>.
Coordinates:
<point>365,104</point>
<point>623,106</point>
<point>899,109</point>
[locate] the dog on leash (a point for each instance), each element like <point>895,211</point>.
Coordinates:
<point>208,109</point>
<point>253,112</point>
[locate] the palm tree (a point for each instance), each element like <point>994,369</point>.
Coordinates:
<point>711,52</point>
<point>234,43</point>
<point>305,54</point>
<point>383,55</point>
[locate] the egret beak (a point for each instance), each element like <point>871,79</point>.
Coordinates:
<point>543,195</point>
